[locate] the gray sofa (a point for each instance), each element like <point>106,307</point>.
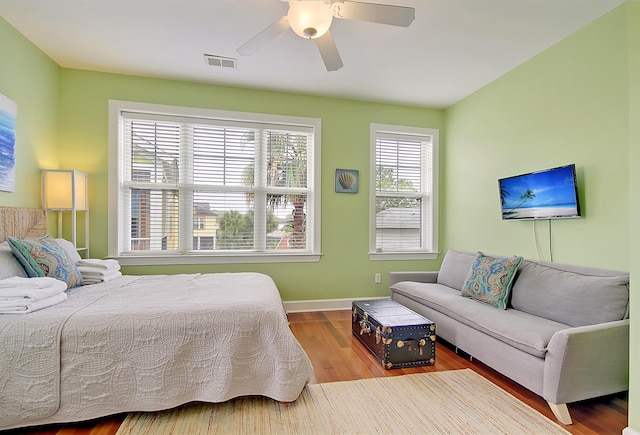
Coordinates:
<point>564,334</point>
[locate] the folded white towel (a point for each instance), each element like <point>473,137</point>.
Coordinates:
<point>99,264</point>
<point>32,294</point>
<point>18,281</point>
<point>104,278</point>
<point>97,273</point>
<point>30,307</point>
<point>86,270</point>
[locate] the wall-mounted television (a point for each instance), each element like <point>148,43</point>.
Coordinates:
<point>547,194</point>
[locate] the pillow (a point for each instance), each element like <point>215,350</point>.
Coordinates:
<point>45,257</point>
<point>490,279</point>
<point>69,249</point>
<point>585,296</point>
<point>9,264</point>
<point>455,268</point>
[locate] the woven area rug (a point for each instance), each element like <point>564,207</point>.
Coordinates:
<point>453,402</point>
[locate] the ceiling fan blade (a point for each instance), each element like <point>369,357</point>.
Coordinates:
<point>329,52</point>
<point>261,39</point>
<point>375,13</point>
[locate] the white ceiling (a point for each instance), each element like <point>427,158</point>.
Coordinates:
<point>453,48</point>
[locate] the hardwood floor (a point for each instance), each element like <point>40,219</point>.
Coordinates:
<point>337,356</point>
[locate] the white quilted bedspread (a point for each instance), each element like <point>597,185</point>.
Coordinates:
<point>147,343</point>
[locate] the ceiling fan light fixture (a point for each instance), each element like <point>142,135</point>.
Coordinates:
<point>309,20</point>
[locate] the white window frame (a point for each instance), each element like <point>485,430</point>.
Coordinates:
<point>116,226</point>
<point>429,223</point>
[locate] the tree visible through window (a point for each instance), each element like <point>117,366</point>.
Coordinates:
<point>197,184</point>
<point>403,198</point>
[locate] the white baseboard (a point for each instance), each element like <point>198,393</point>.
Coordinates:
<point>629,431</point>
<point>324,304</point>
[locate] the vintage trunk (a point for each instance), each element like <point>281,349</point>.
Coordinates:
<point>395,335</point>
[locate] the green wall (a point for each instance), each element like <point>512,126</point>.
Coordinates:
<point>32,80</point>
<point>573,103</point>
<point>633,38</point>
<point>566,105</point>
<point>345,269</point>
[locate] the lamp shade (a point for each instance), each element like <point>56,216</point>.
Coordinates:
<point>309,19</point>
<point>64,190</point>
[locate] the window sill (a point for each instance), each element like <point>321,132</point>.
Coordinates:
<point>403,255</point>
<point>154,260</point>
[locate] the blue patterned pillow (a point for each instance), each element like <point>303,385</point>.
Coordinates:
<point>490,279</point>
<point>45,257</point>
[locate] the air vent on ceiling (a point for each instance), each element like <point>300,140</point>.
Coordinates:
<point>219,61</point>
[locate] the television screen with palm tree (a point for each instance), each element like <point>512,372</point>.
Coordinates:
<point>547,194</point>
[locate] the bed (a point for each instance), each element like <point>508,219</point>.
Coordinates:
<point>144,343</point>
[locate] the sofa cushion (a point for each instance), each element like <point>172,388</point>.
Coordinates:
<point>576,296</point>
<point>455,268</point>
<point>490,279</point>
<point>524,331</point>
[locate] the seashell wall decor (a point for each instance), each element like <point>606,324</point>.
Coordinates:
<point>346,181</point>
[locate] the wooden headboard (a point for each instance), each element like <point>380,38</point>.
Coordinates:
<point>22,223</point>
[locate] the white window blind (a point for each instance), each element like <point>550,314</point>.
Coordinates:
<point>206,186</point>
<point>403,199</point>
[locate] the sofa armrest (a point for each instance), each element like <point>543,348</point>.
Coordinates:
<point>428,277</point>
<point>586,362</point>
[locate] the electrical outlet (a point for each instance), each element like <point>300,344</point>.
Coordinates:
<point>378,278</point>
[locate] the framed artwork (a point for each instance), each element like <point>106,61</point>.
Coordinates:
<point>8,113</point>
<point>346,181</point>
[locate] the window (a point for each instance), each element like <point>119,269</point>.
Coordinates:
<point>403,222</point>
<point>194,185</point>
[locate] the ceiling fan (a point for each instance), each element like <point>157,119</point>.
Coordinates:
<point>311,19</point>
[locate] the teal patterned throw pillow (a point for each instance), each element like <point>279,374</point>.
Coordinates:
<point>490,279</point>
<point>45,257</point>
